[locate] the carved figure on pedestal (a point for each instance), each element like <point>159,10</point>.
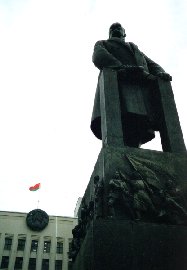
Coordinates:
<point>142,202</point>
<point>167,197</point>
<point>172,209</point>
<point>76,243</point>
<point>83,217</point>
<point>120,200</point>
<point>138,195</point>
<point>91,210</point>
<point>98,196</point>
<point>151,192</point>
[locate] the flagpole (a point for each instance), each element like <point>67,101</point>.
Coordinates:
<point>38,204</point>
<point>39,196</point>
<point>56,227</point>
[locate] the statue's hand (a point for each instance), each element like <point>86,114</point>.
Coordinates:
<point>131,68</point>
<point>164,76</point>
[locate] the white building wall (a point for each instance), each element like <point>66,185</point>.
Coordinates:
<point>14,223</point>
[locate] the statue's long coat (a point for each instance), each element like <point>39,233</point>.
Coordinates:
<point>113,53</point>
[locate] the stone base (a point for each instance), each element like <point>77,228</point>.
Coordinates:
<point>128,234</point>
<point>154,167</point>
<point>127,245</point>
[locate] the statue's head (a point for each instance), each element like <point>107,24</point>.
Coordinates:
<point>117,175</point>
<point>116,30</point>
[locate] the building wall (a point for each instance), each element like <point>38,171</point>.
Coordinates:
<point>13,226</point>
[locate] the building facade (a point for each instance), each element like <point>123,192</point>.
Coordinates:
<point>31,241</point>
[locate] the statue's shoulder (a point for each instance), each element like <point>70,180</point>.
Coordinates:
<point>100,42</point>
<point>133,46</point>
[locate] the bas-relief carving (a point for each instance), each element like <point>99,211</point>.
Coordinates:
<point>149,193</point>
<point>76,242</point>
<point>88,211</point>
<point>80,229</point>
<point>119,195</point>
<point>98,196</point>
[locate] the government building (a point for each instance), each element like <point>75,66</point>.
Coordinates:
<point>35,241</point>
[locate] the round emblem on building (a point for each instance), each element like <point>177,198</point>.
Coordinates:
<point>37,219</point>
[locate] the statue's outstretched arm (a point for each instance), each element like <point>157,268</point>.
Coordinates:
<point>157,70</point>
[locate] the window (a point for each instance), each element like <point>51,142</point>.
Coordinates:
<point>32,264</point>
<point>45,264</point>
<point>4,262</point>
<point>18,263</point>
<point>58,265</point>
<point>8,243</point>
<point>47,246</point>
<point>21,244</point>
<point>59,247</point>
<point>34,245</point>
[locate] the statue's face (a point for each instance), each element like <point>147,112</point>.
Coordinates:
<point>118,31</point>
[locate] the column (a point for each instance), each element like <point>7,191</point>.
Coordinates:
<point>2,242</point>
<point>13,252</point>
<point>26,255</point>
<point>39,254</point>
<point>52,253</point>
<point>65,254</point>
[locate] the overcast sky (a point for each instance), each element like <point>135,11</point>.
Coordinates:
<point>47,88</point>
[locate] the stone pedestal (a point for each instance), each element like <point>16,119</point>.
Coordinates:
<point>142,229</point>
<point>155,168</point>
<point>124,245</point>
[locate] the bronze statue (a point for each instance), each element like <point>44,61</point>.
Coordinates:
<point>140,111</point>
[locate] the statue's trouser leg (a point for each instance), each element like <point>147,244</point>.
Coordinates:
<point>136,130</point>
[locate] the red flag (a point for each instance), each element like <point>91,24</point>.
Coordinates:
<point>35,187</point>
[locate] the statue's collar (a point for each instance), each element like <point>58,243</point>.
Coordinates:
<point>119,40</point>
